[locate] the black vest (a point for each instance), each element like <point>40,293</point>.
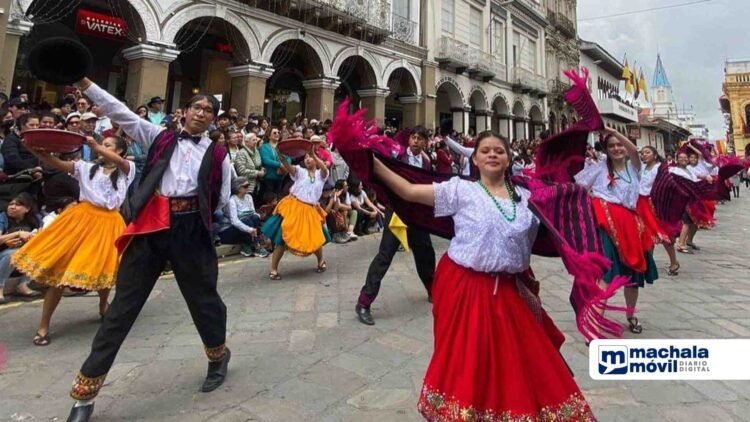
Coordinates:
<point>209,191</point>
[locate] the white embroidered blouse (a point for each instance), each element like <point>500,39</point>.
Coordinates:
<point>623,191</point>
<point>484,240</point>
<point>99,190</point>
<point>306,189</point>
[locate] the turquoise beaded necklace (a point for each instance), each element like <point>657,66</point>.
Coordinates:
<point>511,218</point>
<point>620,176</point>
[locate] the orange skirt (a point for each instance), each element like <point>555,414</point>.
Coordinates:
<point>76,250</point>
<point>299,225</point>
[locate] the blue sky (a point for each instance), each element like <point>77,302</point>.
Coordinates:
<point>694,41</point>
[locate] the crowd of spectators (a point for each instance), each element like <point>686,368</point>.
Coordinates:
<point>259,180</point>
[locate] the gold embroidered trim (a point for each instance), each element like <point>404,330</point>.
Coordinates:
<point>216,354</point>
<point>435,407</point>
<point>49,277</point>
<point>86,388</point>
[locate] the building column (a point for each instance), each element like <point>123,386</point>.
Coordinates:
<point>9,50</point>
<point>249,87</point>
<point>511,128</point>
<point>484,120</point>
<point>426,115</point>
<point>320,95</point>
<point>148,72</point>
<point>412,105</point>
<point>374,101</point>
<point>460,119</point>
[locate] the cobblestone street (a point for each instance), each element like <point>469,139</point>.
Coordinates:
<point>299,353</point>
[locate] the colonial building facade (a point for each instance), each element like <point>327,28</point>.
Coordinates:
<point>562,52</point>
<point>735,104</point>
<point>486,65</point>
<point>264,56</point>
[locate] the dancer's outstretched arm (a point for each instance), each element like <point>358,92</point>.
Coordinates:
<point>420,194</point>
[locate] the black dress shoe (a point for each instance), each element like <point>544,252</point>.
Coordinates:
<point>364,315</point>
<point>217,372</point>
<point>81,413</point>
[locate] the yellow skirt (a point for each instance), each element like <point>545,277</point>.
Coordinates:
<point>76,250</point>
<point>299,225</point>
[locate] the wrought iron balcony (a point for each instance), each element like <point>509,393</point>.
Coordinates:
<point>562,23</point>
<point>527,81</point>
<point>365,19</point>
<point>452,53</point>
<point>557,86</point>
<point>404,29</point>
<point>533,5</point>
<point>481,64</point>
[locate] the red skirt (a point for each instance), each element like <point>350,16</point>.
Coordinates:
<point>496,354</point>
<point>702,213</point>
<point>645,210</point>
<point>627,231</point>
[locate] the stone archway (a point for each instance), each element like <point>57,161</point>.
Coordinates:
<point>358,81</point>
<point>480,111</point>
<point>502,121</point>
<point>298,83</point>
<point>450,108</point>
<point>404,98</point>
<point>536,122</point>
<point>520,128</point>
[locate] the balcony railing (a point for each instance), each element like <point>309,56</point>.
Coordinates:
<point>403,29</point>
<point>527,80</point>
<point>557,86</point>
<point>365,19</point>
<point>453,52</point>
<point>562,23</point>
<point>481,62</point>
<point>534,5</point>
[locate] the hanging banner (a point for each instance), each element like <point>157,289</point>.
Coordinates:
<point>101,26</point>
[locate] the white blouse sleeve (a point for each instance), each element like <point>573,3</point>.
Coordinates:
<point>446,197</point>
<point>587,177</point>
<point>81,170</point>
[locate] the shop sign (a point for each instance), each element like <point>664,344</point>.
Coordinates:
<point>634,132</point>
<point>101,26</point>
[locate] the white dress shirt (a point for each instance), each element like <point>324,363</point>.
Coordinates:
<point>181,177</point>
<point>414,160</point>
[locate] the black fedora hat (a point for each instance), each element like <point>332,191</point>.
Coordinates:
<point>58,56</point>
<point>155,100</point>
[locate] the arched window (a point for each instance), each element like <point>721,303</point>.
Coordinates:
<point>745,128</point>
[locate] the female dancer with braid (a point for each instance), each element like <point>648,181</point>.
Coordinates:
<point>651,163</point>
<point>78,249</point>
<point>627,242</point>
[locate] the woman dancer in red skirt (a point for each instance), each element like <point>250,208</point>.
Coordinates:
<point>651,163</point>
<point>627,242</point>
<point>496,354</point>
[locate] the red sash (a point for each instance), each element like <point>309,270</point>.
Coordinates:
<point>154,217</point>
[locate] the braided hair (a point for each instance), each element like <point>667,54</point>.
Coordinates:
<point>115,175</point>
<point>508,173</point>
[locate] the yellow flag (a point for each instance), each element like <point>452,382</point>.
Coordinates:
<point>398,228</point>
<point>642,85</point>
<point>627,75</point>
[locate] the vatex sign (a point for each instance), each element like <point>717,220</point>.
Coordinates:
<point>101,25</point>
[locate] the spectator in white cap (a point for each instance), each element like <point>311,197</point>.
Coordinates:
<point>88,124</point>
<point>73,122</point>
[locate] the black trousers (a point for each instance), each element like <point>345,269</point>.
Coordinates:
<point>424,258</point>
<point>188,247</point>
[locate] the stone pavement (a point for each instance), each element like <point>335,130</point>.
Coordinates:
<point>300,355</point>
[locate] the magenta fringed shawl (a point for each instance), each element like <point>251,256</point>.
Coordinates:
<point>564,209</point>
